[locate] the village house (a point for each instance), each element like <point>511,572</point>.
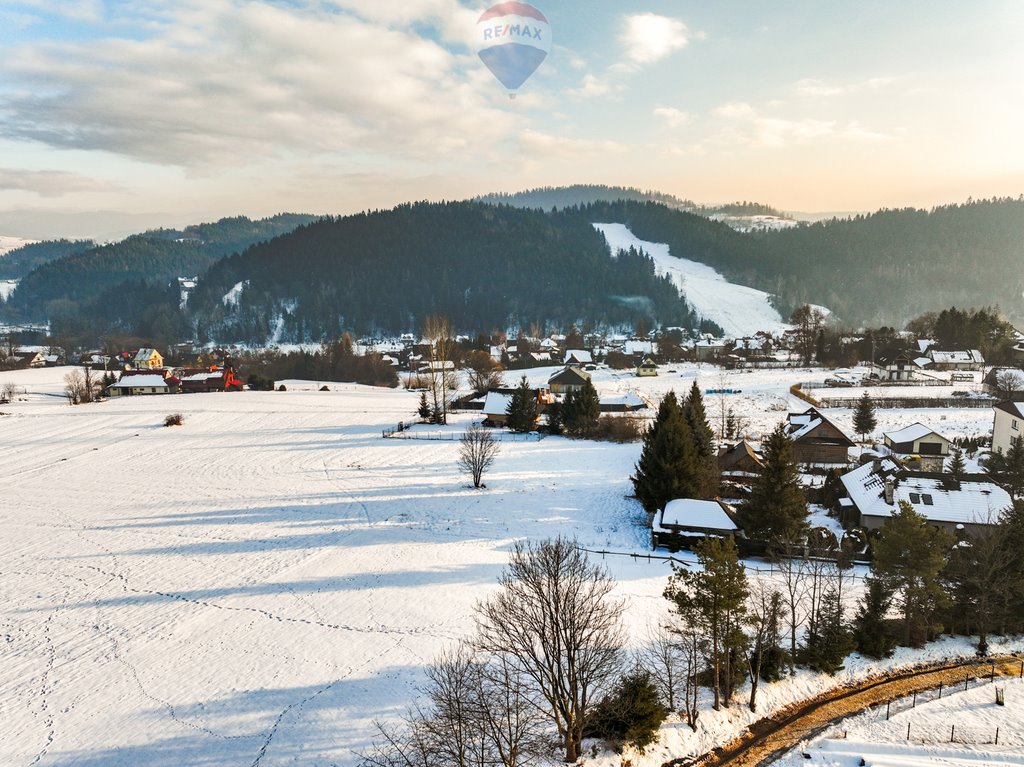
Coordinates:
<point>646,368</point>
<point>919,440</point>
<point>968,504</point>
<point>578,358</point>
<point>966,359</point>
<point>686,521</point>
<point>816,440</point>
<point>708,349</point>
<point>568,379</point>
<point>898,365</point>
<point>30,356</point>
<point>630,402</point>
<point>141,384</point>
<point>210,380</point>
<point>496,403</point>
<point>1007,425</point>
<point>739,460</point>
<point>149,359</point>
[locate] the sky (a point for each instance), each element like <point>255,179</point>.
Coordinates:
<point>176,111</point>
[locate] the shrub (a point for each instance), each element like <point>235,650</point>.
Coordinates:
<point>174,419</point>
<point>282,387</point>
<point>618,428</point>
<point>258,382</point>
<point>631,714</point>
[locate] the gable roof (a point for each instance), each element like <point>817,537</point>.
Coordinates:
<point>496,403</point>
<point>141,382</point>
<point>694,514</point>
<point>1013,408</point>
<point>912,433</point>
<point>570,375</point>
<point>803,425</point>
<point>964,356</point>
<point>973,500</point>
<point>579,355</point>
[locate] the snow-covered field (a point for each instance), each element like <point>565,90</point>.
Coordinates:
<point>261,583</point>
<point>971,718</point>
<point>6,288</point>
<point>738,310</point>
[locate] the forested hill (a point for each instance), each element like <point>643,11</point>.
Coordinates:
<point>879,269</point>
<point>67,285</point>
<point>485,267</point>
<point>546,198</point>
<point>23,260</point>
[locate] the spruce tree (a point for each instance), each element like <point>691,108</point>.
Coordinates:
<point>776,509</point>
<point>668,467</point>
<point>909,556</point>
<point>828,641</point>
<point>522,408</point>
<point>871,632</point>
<point>703,442</point>
<point>957,465</point>
<point>424,408</point>
<point>864,421</point>
<point>580,410</point>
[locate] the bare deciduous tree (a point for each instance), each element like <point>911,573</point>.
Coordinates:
<point>555,619</point>
<point>484,372</point>
<point>1008,382</point>
<point>8,392</point>
<point>477,451</point>
<point>437,331</point>
<point>664,657</point>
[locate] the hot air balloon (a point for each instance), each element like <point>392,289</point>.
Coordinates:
<point>513,39</point>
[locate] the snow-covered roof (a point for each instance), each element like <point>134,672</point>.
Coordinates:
<point>496,403</point>
<point>933,497</point>
<point>960,356</point>
<point>922,361</point>
<point>136,382</point>
<point>802,424</point>
<point>630,400</point>
<point>911,433</point>
<point>1013,408</point>
<point>691,513</point>
<point>638,347</point>
<point>145,354</point>
<point>580,355</point>
<point>924,344</point>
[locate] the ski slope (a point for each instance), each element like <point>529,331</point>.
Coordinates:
<point>739,310</point>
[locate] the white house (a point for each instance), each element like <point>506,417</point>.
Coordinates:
<point>1007,426</point>
<point>918,439</point>
<point>876,489</point>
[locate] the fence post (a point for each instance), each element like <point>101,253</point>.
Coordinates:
<point>966,680</point>
<point>993,678</point>
<point>952,732</point>
<point>908,730</point>
<point>914,704</point>
<point>997,736</point>
<point>888,703</point>
<point>940,689</point>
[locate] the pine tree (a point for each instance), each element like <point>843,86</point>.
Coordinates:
<point>424,408</point>
<point>909,556</point>
<point>776,509</point>
<point>668,467</point>
<point>864,421</point>
<point>522,408</point>
<point>717,593</point>
<point>1008,468</point>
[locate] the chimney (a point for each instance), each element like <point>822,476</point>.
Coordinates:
<point>876,466</point>
<point>889,491</point>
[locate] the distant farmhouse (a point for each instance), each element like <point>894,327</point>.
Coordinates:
<point>919,440</point>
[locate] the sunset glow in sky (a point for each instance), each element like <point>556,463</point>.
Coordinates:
<point>195,109</point>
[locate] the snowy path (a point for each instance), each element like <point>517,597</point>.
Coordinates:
<point>739,310</point>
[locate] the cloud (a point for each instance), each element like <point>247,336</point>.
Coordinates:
<point>746,125</point>
<point>50,183</point>
<point>675,118</point>
<point>225,82</point>
<point>537,145</point>
<point>592,87</point>
<point>820,89</point>
<point>648,38</point>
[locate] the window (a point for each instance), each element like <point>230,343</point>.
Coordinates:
<point>927,500</point>
<point>1013,424</point>
<point>915,497</point>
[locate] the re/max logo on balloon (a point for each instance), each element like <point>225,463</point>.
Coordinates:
<point>513,30</point>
